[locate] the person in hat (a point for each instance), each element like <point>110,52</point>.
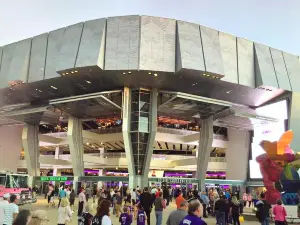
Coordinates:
<point>39,217</point>
<point>2,205</point>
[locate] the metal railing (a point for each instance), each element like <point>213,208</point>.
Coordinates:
<point>175,131</point>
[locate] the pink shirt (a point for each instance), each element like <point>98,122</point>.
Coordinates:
<point>279,212</point>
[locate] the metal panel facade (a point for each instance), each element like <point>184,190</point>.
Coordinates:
<point>20,61</point>
<point>69,47</point>
<point>293,69</point>
<point>53,50</point>
<point>265,72</point>
<point>280,69</point>
<point>91,49</point>
<point>122,43</point>
<point>229,56</point>
<point>38,58</point>
<point>7,55</point>
<point>246,62</point>
<point>189,47</point>
<point>157,48</point>
<point>212,51</point>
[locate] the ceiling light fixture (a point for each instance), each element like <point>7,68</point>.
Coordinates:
<point>149,73</point>
<point>124,73</point>
<point>72,72</point>
<point>155,74</point>
<point>55,88</point>
<point>76,71</point>
<point>87,143</point>
<point>67,73</point>
<point>129,72</point>
<point>63,74</point>
<point>88,81</point>
<point>227,92</point>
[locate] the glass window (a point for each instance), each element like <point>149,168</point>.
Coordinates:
<point>2,180</point>
<point>15,181</point>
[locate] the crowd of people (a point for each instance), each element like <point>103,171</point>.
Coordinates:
<point>135,206</point>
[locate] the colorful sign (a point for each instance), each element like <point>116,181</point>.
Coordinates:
<point>53,178</point>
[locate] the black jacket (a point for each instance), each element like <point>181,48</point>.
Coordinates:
<point>146,200</point>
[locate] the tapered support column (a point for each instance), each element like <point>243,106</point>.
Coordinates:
<point>76,145</point>
<point>30,140</point>
<point>204,149</point>
<point>139,130</point>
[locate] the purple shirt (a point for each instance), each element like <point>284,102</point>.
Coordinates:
<point>125,219</point>
<point>192,220</point>
<point>141,217</point>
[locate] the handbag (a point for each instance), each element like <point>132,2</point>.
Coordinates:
<point>241,219</point>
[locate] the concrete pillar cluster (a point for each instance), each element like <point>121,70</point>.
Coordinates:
<point>204,149</point>
<point>139,130</point>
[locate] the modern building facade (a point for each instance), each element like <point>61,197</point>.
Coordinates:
<point>140,68</point>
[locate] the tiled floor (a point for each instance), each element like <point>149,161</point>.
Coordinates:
<point>52,214</point>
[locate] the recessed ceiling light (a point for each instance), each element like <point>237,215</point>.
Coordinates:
<point>149,73</point>
<point>53,87</point>
<point>72,72</point>
<point>204,74</point>
<point>208,75</point>
<point>227,92</point>
<point>88,81</point>
<point>36,89</point>
<point>155,74</point>
<point>129,72</point>
<point>87,143</point>
<point>76,71</point>
<point>63,74</point>
<point>194,84</point>
<point>67,73</point>
<point>124,73</point>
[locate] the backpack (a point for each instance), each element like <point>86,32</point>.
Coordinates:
<point>97,220</point>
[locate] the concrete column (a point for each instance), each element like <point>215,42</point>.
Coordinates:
<point>204,149</point>
<point>126,134</point>
<point>56,156</point>
<point>237,154</point>
<point>30,139</point>
<point>10,147</point>
<point>294,121</point>
<point>76,145</point>
<point>143,131</point>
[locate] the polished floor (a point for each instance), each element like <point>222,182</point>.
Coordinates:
<point>52,214</point>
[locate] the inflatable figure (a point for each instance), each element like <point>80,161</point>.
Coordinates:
<point>279,166</point>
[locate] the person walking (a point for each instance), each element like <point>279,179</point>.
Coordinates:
<point>264,210</point>
<point>82,202</point>
<point>195,211</point>
<point>88,193</point>
<point>118,203</point>
<point>249,199</point>
<point>72,199</point>
<point>146,203</point>
<point>235,212</point>
<point>178,215</point>
<point>159,206</point>
<point>64,212</point>
<point>221,210</point>
<point>245,198</point>
<point>86,217</point>
<point>2,205</point>
<point>23,218</point>
<point>141,216</point>
<point>11,211</point>
<point>179,199</point>
<point>102,215</point>
<point>279,213</point>
<point>126,217</point>
<point>61,194</point>
<point>205,203</point>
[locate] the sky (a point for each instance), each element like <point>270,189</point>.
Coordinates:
<point>271,22</point>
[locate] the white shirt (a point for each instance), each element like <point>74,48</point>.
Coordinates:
<point>133,195</point>
<point>9,211</point>
<point>82,197</point>
<point>64,215</point>
<point>2,205</point>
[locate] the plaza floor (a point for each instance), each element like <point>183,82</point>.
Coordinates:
<point>52,213</point>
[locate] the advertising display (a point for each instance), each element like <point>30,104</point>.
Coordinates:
<point>269,132</point>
